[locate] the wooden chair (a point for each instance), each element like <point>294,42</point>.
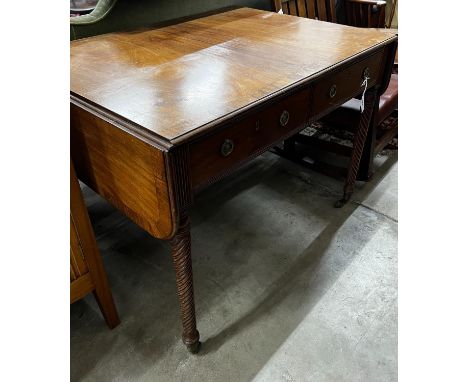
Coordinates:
<point>87,272</point>
<point>358,13</point>
<point>323,10</point>
<point>365,13</point>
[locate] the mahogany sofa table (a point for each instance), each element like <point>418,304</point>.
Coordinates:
<point>158,114</point>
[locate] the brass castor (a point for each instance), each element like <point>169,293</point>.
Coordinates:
<point>194,348</point>
<point>340,203</point>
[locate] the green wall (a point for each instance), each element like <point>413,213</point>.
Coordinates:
<point>131,14</point>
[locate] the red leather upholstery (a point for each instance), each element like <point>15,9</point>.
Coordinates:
<point>388,100</point>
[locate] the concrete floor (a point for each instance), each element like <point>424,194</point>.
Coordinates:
<point>287,288</point>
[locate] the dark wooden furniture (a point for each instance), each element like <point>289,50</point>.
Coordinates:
<point>347,117</point>
<point>365,13</point>
<point>158,114</point>
<point>323,10</point>
<point>359,13</point>
<point>87,272</point>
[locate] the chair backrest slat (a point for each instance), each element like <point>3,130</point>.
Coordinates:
<point>369,15</point>
<point>311,13</point>
<point>349,14</point>
<point>301,8</point>
<point>277,5</point>
<point>292,8</point>
<point>361,15</point>
<point>358,13</point>
<point>332,16</point>
<point>323,10</point>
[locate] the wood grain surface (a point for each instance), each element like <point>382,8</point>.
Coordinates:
<point>158,114</point>
<point>173,80</point>
<point>249,136</point>
<point>127,172</point>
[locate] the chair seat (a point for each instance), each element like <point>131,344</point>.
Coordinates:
<point>388,100</point>
<point>348,113</point>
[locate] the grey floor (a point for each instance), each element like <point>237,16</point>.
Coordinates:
<point>287,287</point>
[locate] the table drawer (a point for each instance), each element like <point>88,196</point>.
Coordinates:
<point>334,89</point>
<point>218,153</point>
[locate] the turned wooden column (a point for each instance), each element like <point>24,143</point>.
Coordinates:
<point>358,145</point>
<point>181,254</point>
<point>366,165</point>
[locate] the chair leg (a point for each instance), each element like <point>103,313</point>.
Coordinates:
<point>106,304</point>
<point>358,145</point>
<point>181,254</point>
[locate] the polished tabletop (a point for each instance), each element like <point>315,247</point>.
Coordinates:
<point>173,80</point>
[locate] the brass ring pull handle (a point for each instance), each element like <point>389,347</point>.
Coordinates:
<point>366,72</point>
<point>332,91</point>
<point>227,147</point>
<point>284,118</point>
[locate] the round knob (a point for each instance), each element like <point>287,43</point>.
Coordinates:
<point>227,147</point>
<point>333,91</point>
<point>366,72</point>
<point>284,118</point>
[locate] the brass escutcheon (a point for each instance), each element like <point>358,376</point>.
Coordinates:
<point>366,72</point>
<point>333,91</point>
<point>227,147</point>
<point>284,118</point>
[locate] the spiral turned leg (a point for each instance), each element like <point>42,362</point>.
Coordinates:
<point>181,254</point>
<point>358,146</point>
